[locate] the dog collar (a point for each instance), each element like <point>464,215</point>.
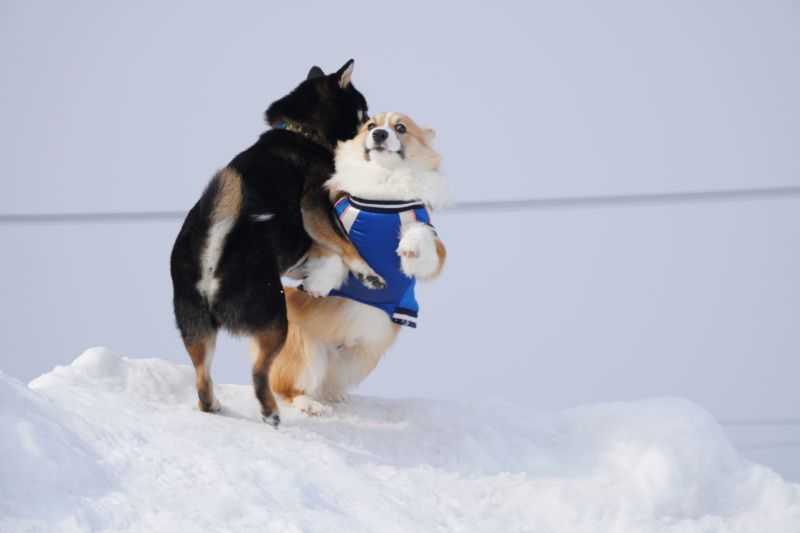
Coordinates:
<point>308,134</point>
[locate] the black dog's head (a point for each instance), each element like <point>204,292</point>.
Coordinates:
<point>327,105</point>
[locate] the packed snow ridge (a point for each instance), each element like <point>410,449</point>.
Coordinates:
<point>110,443</point>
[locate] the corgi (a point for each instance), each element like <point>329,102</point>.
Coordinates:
<point>386,184</point>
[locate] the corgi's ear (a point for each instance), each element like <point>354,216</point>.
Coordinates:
<point>344,74</point>
<point>315,72</point>
<point>428,134</point>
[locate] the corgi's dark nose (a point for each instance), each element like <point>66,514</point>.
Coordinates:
<point>379,135</point>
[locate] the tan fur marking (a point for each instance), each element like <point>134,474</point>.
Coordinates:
<point>290,362</point>
<point>319,226</point>
<point>317,251</point>
<point>229,198</point>
<point>305,311</point>
<point>288,366</point>
<point>197,353</point>
<point>335,195</point>
<point>266,347</point>
<point>441,251</point>
<point>319,319</point>
<point>417,142</point>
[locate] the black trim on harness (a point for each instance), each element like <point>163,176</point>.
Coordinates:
<point>385,206</point>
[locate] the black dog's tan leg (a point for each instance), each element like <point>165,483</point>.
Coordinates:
<point>266,346</point>
<point>320,225</point>
<point>202,353</point>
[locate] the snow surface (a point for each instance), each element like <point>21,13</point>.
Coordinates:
<point>110,443</point>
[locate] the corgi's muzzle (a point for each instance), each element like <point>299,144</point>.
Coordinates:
<point>382,140</point>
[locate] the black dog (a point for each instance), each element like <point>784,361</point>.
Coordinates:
<point>255,221</point>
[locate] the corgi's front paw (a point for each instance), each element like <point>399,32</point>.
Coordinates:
<point>336,396</point>
<point>417,251</point>
<point>309,406</point>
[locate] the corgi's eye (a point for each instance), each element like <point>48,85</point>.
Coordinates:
<point>400,128</point>
<point>371,125</point>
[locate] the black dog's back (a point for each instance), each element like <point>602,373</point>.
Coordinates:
<point>247,230</point>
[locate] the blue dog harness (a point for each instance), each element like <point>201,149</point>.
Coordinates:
<point>374,228</point>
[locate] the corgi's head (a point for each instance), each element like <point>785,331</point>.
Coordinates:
<point>393,139</point>
<point>391,158</point>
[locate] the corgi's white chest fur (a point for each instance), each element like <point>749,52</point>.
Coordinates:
<point>371,180</point>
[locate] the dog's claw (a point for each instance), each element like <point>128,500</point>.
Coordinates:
<point>375,282</point>
<point>371,281</point>
<point>272,419</point>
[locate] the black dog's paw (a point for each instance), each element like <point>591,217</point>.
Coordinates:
<point>375,282</point>
<point>272,419</point>
<point>371,281</point>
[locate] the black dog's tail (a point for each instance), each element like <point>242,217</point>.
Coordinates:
<point>197,251</point>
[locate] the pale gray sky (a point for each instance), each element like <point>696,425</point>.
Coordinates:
<point>110,107</point>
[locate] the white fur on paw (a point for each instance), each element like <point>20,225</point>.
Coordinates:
<point>324,275</point>
<point>417,251</point>
<point>215,406</point>
<point>339,396</point>
<point>309,406</point>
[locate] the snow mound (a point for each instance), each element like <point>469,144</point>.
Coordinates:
<point>111,443</point>
<point>98,369</point>
<point>44,465</point>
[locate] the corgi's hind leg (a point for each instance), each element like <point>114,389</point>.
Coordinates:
<point>299,369</point>
<point>351,362</point>
<point>349,366</point>
<point>288,366</point>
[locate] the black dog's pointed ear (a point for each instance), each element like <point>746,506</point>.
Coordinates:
<point>315,72</point>
<point>343,74</point>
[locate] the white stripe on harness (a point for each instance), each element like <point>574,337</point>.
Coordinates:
<point>405,317</point>
<point>407,217</point>
<point>386,205</point>
<point>349,217</point>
